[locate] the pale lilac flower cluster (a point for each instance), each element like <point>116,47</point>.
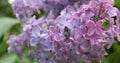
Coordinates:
<point>24,9</point>
<point>72,32</point>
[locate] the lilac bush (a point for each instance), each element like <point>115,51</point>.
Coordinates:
<point>72,31</point>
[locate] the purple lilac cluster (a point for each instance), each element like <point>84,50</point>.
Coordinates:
<point>24,9</point>
<point>74,31</point>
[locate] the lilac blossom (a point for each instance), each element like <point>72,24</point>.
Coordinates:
<point>94,31</point>
<point>16,44</point>
<point>24,9</point>
<point>73,31</point>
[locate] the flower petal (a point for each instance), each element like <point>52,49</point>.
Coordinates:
<point>91,31</point>
<point>99,23</point>
<point>90,23</point>
<point>99,31</point>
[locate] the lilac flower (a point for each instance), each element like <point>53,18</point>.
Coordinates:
<point>32,30</point>
<point>21,10</point>
<point>94,31</point>
<point>24,9</point>
<point>55,32</point>
<point>108,38</point>
<point>116,31</point>
<point>72,31</point>
<point>16,44</point>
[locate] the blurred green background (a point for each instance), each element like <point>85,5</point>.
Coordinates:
<point>10,25</point>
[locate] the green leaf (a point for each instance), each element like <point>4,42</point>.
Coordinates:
<point>6,23</point>
<point>13,58</point>
<point>117,4</point>
<point>8,58</point>
<point>114,56</point>
<point>5,9</point>
<point>3,47</point>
